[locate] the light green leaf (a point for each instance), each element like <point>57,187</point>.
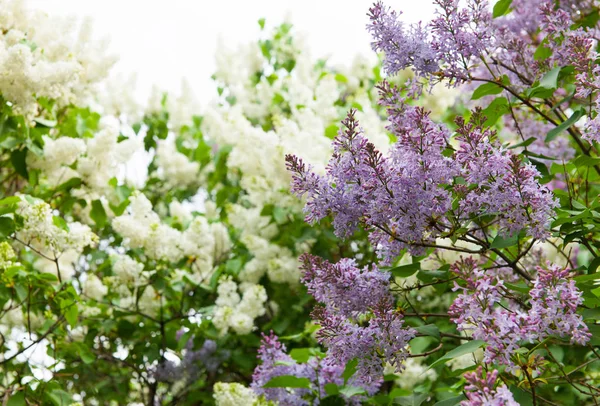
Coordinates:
<point>350,369</point>
<point>350,391</point>
<point>404,271</point>
<point>288,381</point>
<point>463,349</point>
<point>505,241</point>
<point>501,8</point>
<point>98,214</point>
<point>486,89</point>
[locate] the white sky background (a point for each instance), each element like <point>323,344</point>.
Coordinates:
<point>165,41</point>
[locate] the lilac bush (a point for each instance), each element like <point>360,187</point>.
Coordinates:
<point>492,208</point>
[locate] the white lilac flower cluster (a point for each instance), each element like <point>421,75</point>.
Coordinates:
<point>235,394</point>
<point>235,312</point>
<point>60,243</point>
<point>206,243</point>
<point>94,160</point>
<point>45,57</point>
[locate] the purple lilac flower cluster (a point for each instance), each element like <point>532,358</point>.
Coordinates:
<point>482,390</point>
<point>405,198</point>
<point>487,310</point>
<point>354,324</point>
<point>276,362</point>
<point>192,362</point>
<point>450,49</point>
<point>347,288</point>
<point>403,46</point>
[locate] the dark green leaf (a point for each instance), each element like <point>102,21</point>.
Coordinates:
<point>18,399</point>
<point>7,226</point>
<point>524,144</point>
<point>451,401</point>
<point>593,266</point>
<point>552,134</point>
<point>18,158</point>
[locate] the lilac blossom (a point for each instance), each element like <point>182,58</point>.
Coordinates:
<point>460,36</point>
<point>403,46</point>
<point>405,199</point>
<point>276,362</point>
<point>487,310</point>
<point>446,47</point>
<point>192,362</point>
<point>482,390</point>
<point>344,286</point>
<point>383,339</point>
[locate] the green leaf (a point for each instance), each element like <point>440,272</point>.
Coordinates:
<point>518,287</point>
<point>261,23</point>
<point>18,158</point>
<point>542,52</point>
<point>416,399</point>
<point>98,214</point>
<point>591,314</point>
<point>350,369</point>
<point>341,78</point>
<point>550,79</point>
<point>404,271</point>
<point>331,131</point>
<point>585,161</point>
<point>350,391</point>
<point>524,144</point>
<point>288,381</point>
<point>10,200</point>
<point>486,89</point>
<point>59,397</point>
<point>451,401</point>
<point>463,349</point>
<point>505,241</point>
<point>429,330</point>
<point>300,354</point>
<point>552,134</point>
<point>540,166</point>
<point>70,184</point>
<point>501,8</point>
<point>71,314</point>
<point>86,355</point>
<point>7,227</point>
<point>593,266</point>
<point>60,223</point>
<point>497,108</point>
<point>331,389</point>
<point>18,399</point>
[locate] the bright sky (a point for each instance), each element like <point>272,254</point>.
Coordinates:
<point>165,41</point>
